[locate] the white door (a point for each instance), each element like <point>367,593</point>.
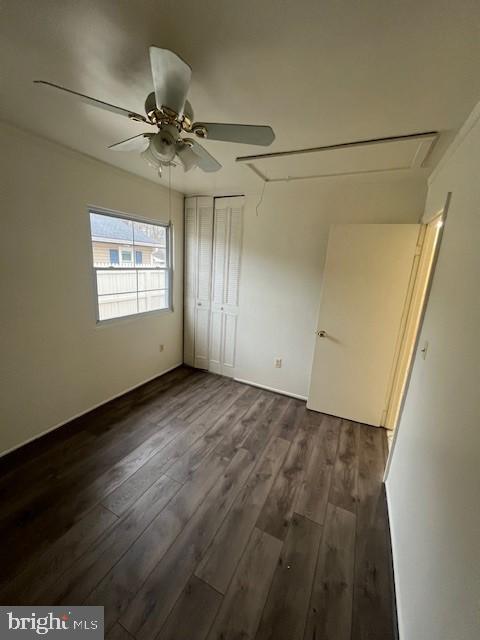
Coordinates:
<point>203,280</point>
<point>190,284</point>
<point>227,244</point>
<point>365,282</point>
<point>198,269</point>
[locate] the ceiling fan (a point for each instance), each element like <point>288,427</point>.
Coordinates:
<point>171,113</point>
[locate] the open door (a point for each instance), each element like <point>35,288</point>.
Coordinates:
<point>366,279</point>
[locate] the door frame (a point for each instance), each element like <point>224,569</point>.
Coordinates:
<point>439,216</point>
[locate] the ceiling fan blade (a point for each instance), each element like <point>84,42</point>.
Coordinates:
<point>187,156</point>
<point>171,79</point>
<point>205,161</point>
<point>135,143</point>
<point>106,106</point>
<point>244,133</point>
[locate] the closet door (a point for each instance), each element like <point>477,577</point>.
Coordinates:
<point>198,258</point>
<point>220,223</point>
<point>203,280</point>
<point>228,221</point>
<point>190,287</point>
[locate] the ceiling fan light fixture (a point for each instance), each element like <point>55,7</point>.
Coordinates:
<point>150,159</point>
<point>162,145</point>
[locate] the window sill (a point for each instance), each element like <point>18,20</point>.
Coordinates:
<point>134,316</point>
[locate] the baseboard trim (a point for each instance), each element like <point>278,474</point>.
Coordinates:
<point>263,386</point>
<point>82,413</point>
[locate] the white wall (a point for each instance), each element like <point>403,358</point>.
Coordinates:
<point>55,362</point>
<point>434,481</point>
<point>282,261</point>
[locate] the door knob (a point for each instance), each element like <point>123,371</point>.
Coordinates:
<point>321,334</point>
<point>199,304</point>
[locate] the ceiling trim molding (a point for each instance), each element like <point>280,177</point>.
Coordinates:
<point>326,175</point>
<point>426,142</point>
<point>340,145</point>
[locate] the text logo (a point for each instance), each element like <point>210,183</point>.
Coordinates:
<point>57,623</point>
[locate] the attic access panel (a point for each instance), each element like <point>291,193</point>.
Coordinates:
<point>369,156</point>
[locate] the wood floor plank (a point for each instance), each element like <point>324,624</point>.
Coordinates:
<point>219,563</point>
<point>188,462</point>
<point>25,587</point>
<point>119,586</point>
<point>124,494</point>
<point>330,611</point>
<point>312,496</point>
<point>117,632</point>
<point>83,576</point>
<point>373,617</point>
<point>269,424</point>
<point>291,419</point>
<point>193,613</point>
<point>286,609</point>
<point>344,480</point>
<point>278,508</point>
<point>229,445</point>
<point>203,401</point>
<point>147,613</point>
<point>183,444</point>
<point>242,606</point>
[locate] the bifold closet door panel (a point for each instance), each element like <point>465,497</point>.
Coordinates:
<point>189,294</point>
<point>216,341</point>
<point>203,280</point>
<point>235,229</point>
<point>229,342</point>
<point>227,246</point>
<point>218,288</point>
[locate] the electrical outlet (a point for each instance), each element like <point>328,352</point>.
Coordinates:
<point>161,347</point>
<point>278,363</point>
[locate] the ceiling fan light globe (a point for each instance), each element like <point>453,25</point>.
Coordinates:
<point>162,146</point>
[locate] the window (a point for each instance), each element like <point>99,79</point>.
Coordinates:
<point>132,264</point>
<point>126,256</point>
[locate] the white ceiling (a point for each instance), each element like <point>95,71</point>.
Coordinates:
<point>320,72</point>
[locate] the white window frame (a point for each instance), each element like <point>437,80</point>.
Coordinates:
<point>168,268</point>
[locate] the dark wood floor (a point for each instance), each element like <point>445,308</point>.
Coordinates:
<point>197,507</point>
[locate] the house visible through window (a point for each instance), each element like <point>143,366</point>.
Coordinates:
<point>131,259</point>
